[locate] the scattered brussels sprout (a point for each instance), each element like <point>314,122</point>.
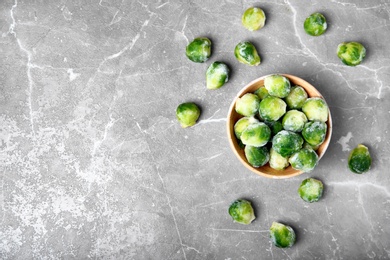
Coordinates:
<point>262,92</point>
<point>253,19</point>
<point>314,133</point>
<point>359,160</point>
<point>315,24</point>
<point>287,143</point>
<point>187,114</point>
<point>217,75</point>
<point>276,161</point>
<point>351,53</point>
<point>315,109</point>
<point>246,53</point>
<point>242,212</point>
<point>272,108</point>
<point>248,104</point>
<point>277,85</point>
<point>199,50</point>
<point>304,160</point>
<point>282,235</point>
<point>296,97</point>
<point>276,126</point>
<point>294,121</point>
<point>256,134</point>
<point>311,190</point>
<point>242,124</point>
<point>256,156</point>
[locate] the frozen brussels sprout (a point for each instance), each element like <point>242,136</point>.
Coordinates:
<point>296,97</point>
<point>253,19</point>
<point>242,124</point>
<point>304,160</point>
<point>315,109</point>
<point>315,24</point>
<point>276,161</point>
<point>262,92</point>
<point>359,160</point>
<point>256,134</point>
<point>276,126</point>
<point>277,85</point>
<point>311,190</point>
<point>294,121</point>
<point>199,50</point>
<point>282,235</point>
<point>351,53</point>
<point>272,108</point>
<point>287,143</point>
<point>217,75</point>
<point>314,133</point>
<point>187,114</point>
<point>248,104</point>
<point>256,156</point>
<point>242,212</point>
<point>246,53</point>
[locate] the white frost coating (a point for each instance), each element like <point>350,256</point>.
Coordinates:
<point>343,141</point>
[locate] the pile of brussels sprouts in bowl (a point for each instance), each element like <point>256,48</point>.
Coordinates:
<point>279,126</point>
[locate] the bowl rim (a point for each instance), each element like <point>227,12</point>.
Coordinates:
<point>233,140</point>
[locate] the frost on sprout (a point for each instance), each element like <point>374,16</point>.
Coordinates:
<point>277,85</point>
<point>248,104</point>
<point>304,160</point>
<point>253,19</point>
<point>217,75</point>
<point>257,134</point>
<point>246,53</point>
<point>242,124</point>
<point>199,50</point>
<point>242,211</point>
<point>315,109</point>
<point>272,108</point>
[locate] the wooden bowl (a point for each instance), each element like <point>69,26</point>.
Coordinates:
<point>233,116</point>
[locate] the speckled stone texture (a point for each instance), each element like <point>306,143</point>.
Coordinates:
<point>95,165</point>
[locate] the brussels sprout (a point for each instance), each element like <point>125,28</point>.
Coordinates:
<point>256,156</point>
<point>315,109</point>
<point>262,92</point>
<point>246,53</point>
<point>276,161</point>
<point>276,126</point>
<point>287,143</point>
<point>256,134</point>
<point>253,19</point>
<point>187,114</point>
<point>311,190</point>
<point>242,124</point>
<point>199,50</point>
<point>282,235</point>
<point>304,160</point>
<point>248,104</point>
<point>314,132</point>
<point>315,24</point>
<point>272,108</point>
<point>277,85</point>
<point>296,97</point>
<point>217,75</point>
<point>351,53</point>
<point>242,212</point>
<point>359,159</point>
<point>294,120</point>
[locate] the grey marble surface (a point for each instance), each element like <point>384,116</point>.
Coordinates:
<point>95,165</point>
